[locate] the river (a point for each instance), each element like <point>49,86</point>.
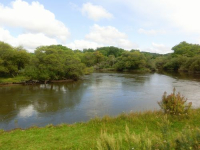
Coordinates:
<point>98,94</point>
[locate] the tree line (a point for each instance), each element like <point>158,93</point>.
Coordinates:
<point>56,62</point>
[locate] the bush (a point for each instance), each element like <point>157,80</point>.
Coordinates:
<point>174,104</point>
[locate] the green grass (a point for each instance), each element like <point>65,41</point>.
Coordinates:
<point>17,79</point>
<point>148,130</point>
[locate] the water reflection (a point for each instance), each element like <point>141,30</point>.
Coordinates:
<point>27,111</point>
<point>18,102</point>
<point>98,94</point>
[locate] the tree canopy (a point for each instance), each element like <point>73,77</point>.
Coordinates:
<point>57,62</point>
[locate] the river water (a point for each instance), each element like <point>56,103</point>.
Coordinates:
<point>98,94</point>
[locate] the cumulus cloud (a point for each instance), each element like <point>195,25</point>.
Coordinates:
<point>28,40</point>
<point>103,36</point>
<point>82,44</point>
<point>95,12</point>
<point>7,37</point>
<point>31,41</point>
<point>106,35</point>
<point>33,18</point>
<point>158,48</point>
<point>151,32</point>
<point>109,35</point>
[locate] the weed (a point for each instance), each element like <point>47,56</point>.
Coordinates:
<point>174,104</point>
<point>108,142</point>
<point>188,139</point>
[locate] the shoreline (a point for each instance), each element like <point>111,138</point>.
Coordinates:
<point>34,82</point>
<point>150,126</point>
<point>135,113</point>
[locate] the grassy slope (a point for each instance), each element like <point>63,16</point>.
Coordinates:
<point>85,135</point>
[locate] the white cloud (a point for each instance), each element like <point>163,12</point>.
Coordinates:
<point>103,36</point>
<point>95,12</point>
<point>29,41</point>
<point>158,48</point>
<point>27,111</point>
<point>81,44</point>
<point>109,36</point>
<point>151,32</point>
<point>6,37</point>
<point>33,18</point>
<point>126,44</point>
<point>106,35</point>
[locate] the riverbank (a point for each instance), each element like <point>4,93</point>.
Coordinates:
<point>26,81</point>
<point>13,80</point>
<point>148,130</point>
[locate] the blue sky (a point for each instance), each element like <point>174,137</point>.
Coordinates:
<point>153,26</point>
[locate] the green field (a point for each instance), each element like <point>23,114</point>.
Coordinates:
<point>148,130</point>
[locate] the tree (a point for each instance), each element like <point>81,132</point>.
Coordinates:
<point>54,62</point>
<point>98,57</point>
<point>186,49</point>
<point>130,61</point>
<point>12,60</point>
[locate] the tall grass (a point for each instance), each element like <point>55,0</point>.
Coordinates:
<point>152,130</point>
<point>187,139</point>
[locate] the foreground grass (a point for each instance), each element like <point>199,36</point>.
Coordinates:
<point>148,130</point>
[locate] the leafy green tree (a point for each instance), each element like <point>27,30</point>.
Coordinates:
<point>186,49</point>
<point>12,60</point>
<point>194,64</point>
<point>106,51</point>
<point>54,62</point>
<point>88,59</point>
<point>111,60</point>
<point>161,61</point>
<point>174,63</point>
<point>98,57</point>
<point>130,61</point>
<point>88,50</point>
<point>21,57</point>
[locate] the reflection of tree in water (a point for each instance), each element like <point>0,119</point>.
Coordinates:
<point>136,79</point>
<point>10,101</point>
<point>49,98</point>
<point>55,97</point>
<point>181,75</point>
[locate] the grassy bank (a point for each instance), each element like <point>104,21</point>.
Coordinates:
<point>148,130</point>
<point>13,80</point>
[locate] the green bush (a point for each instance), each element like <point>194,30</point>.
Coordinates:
<point>174,104</point>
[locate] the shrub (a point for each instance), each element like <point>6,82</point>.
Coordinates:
<point>174,104</point>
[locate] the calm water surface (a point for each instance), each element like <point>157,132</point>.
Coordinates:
<point>98,94</point>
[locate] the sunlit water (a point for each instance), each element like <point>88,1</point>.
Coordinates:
<point>98,94</point>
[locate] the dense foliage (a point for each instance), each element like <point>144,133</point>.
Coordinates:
<point>54,62</point>
<point>57,62</point>
<point>186,57</point>
<point>12,60</point>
